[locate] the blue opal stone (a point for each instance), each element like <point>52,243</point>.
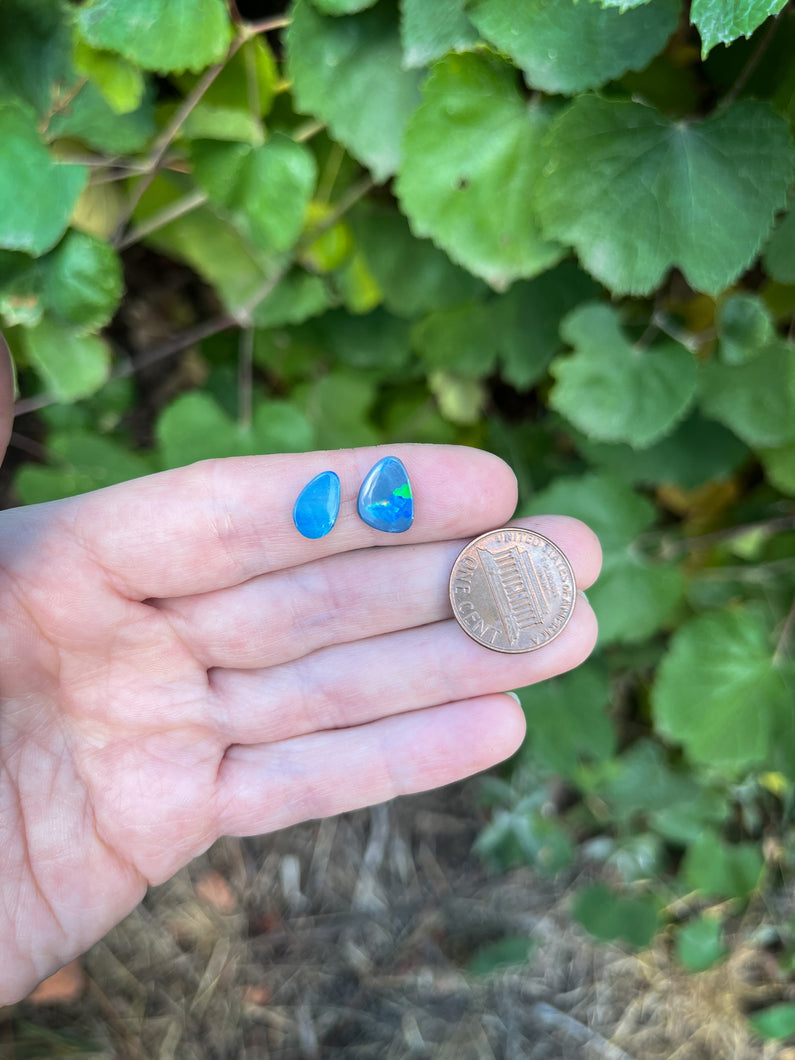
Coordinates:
<point>318,505</point>
<point>385,501</point>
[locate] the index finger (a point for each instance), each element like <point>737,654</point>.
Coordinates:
<point>221,522</point>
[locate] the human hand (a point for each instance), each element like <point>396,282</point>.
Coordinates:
<point>179,664</point>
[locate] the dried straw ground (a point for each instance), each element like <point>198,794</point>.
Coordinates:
<point>350,938</point>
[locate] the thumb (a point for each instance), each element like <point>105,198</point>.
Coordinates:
<point>6,396</point>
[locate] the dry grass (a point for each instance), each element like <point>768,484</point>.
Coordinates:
<point>351,938</point>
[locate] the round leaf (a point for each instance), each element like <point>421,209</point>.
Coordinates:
<point>37,193</point>
<point>71,364</point>
<point>347,72</point>
<point>699,944</point>
<point>612,390</point>
<point>637,194</point>
<point>779,255</point>
<point>744,327</point>
<point>757,399</point>
<point>717,691</point>
<point>472,158</point>
<point>567,46</point>
<point>429,31</point>
<point>158,34</point>
<point>83,281</point>
<point>721,23</point>
<point>266,190</point>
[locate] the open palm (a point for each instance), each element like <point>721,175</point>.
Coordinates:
<point>179,663</point>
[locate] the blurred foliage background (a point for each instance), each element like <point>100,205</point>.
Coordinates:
<point>559,231</point>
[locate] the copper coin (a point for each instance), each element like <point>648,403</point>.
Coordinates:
<point>512,590</point>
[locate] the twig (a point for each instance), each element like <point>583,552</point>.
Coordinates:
<point>786,632</point>
<point>264,25</point>
<point>556,1020</point>
<point>170,132</point>
<point>745,74</point>
<point>691,544</point>
<point>242,317</point>
<point>163,217</point>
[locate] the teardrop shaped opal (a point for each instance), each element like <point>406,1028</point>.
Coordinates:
<point>318,505</point>
<point>385,499</point>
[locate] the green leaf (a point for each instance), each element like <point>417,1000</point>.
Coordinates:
<point>374,340</point>
<point>266,190</point>
<point>719,22</point>
<point>413,274</point>
<point>614,391</point>
<point>472,158</point>
<point>342,7</point>
<point>697,451</point>
<point>778,1021</point>
<point>506,953</point>
<point>70,363</point>
<point>460,339</point>
<point>82,281</point>
<point>248,82</point>
<point>722,870</point>
<point>699,943</point>
<point>524,835</point>
<point>347,72</point>
<point>298,296</point>
<point>91,119</point>
<point>35,53</point>
<point>159,34</point>
<point>637,194</point>
<point>460,400</point>
<point>610,916</point>
<point>193,427</point>
<point>745,326</point>
<point>83,461</point>
<point>641,789</point>
<point>779,254</point>
<point>567,46</point>
<point>529,320</point>
<point>567,719</point>
<point>779,465</point>
<point>219,253</point>
<point>29,179</point>
<point>717,690</point>
<point>20,289</point>
<point>120,82</point>
<point>429,31</point>
<point>339,406</point>
<point>632,597</point>
<point>757,399</point>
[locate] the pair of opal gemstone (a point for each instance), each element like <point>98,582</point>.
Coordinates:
<point>385,500</point>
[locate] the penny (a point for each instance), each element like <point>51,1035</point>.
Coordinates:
<point>512,590</point>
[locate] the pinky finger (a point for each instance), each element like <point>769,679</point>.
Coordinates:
<point>262,788</point>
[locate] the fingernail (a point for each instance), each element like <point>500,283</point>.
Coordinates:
<point>513,695</point>
<point>582,594</point>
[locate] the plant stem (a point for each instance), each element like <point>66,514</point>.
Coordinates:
<point>786,632</point>
<point>170,132</point>
<point>162,218</point>
<point>745,74</point>
<point>671,549</point>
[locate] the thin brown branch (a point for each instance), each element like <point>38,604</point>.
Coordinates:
<point>745,74</point>
<point>162,218</point>
<point>264,25</point>
<point>782,647</point>
<point>242,317</point>
<point>171,131</point>
<point>671,549</point>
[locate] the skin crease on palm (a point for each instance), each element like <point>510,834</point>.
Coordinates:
<point>180,664</point>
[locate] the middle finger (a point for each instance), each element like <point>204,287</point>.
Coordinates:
<point>285,615</point>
